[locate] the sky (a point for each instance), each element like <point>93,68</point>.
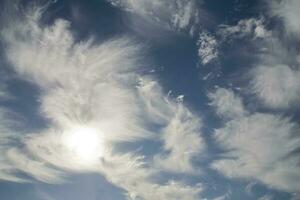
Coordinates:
<point>149,100</point>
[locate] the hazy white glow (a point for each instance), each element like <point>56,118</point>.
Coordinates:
<point>86,143</point>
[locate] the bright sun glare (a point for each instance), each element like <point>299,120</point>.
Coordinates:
<point>86,143</point>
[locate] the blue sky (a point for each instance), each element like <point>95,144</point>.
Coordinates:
<point>143,100</point>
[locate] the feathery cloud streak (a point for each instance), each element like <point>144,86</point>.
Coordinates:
<point>95,85</point>
<point>251,141</point>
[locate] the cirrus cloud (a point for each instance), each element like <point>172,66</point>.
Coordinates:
<point>96,85</point>
<point>250,143</point>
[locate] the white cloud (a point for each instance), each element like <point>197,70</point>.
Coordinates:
<point>252,27</point>
<point>277,86</point>
<point>227,104</point>
<point>158,107</point>
<point>180,127</point>
<point>288,10</point>
<point>184,129</point>
<point>4,95</point>
<point>133,175</point>
<point>35,168</point>
<point>223,197</point>
<point>208,48</point>
<point>81,83</point>
<point>251,150</point>
<point>175,14</point>
<point>251,141</point>
<point>266,197</point>
<point>7,138</point>
<point>170,191</point>
<point>94,85</point>
<point>249,188</point>
<point>275,79</point>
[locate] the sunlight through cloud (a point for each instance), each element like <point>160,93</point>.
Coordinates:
<point>85,142</point>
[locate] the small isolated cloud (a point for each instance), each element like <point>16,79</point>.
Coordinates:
<point>250,144</point>
<point>207,48</point>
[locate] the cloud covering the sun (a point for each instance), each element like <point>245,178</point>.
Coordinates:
<point>96,85</point>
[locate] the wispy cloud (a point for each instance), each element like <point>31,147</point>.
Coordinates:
<point>275,78</point>
<point>227,104</point>
<point>8,137</point>
<point>288,11</point>
<point>250,138</point>
<point>266,197</point>
<point>278,86</point>
<point>175,14</point>
<point>207,47</point>
<point>251,149</point>
<point>95,85</point>
<point>184,129</point>
<point>253,28</point>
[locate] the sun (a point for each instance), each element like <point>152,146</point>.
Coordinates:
<point>86,143</point>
